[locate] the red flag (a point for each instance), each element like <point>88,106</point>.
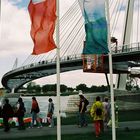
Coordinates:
<point>43,16</point>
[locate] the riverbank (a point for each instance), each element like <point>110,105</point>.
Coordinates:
<point>125,100</point>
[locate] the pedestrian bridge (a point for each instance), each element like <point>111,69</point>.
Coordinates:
<point>72,37</point>
<point>122,61</point>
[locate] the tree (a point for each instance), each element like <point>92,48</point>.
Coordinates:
<point>44,88</point>
<point>37,88</point>
<point>33,88</point>
<point>30,87</point>
<point>93,88</point>
<point>82,87</point>
<point>50,87</point>
<point>63,88</point>
<point>70,89</point>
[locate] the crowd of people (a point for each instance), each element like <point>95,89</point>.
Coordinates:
<point>7,112</point>
<point>100,113</point>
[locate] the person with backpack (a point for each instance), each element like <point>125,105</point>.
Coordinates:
<point>20,112</point>
<point>7,112</point>
<point>97,112</point>
<point>50,113</point>
<point>34,111</point>
<point>82,121</point>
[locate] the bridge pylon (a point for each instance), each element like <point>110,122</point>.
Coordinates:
<point>121,78</point>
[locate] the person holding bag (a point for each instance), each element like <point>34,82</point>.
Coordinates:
<point>34,111</point>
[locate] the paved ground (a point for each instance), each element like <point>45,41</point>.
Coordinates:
<point>65,129</point>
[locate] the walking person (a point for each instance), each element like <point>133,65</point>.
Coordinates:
<point>116,109</point>
<point>7,112</point>
<point>97,112</point>
<point>82,121</point>
<point>50,113</point>
<point>106,105</point>
<point>20,113</point>
<point>35,113</point>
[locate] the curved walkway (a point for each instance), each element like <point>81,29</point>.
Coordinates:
<point>66,129</point>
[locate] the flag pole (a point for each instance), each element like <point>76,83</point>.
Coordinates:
<point>111,74</point>
<point>58,73</point>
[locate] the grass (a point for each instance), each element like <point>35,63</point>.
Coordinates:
<point>121,135</point>
<point>131,115</point>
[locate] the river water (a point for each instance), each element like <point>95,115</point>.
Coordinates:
<point>68,103</point>
<point>43,104</point>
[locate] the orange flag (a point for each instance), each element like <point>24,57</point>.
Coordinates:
<point>43,16</point>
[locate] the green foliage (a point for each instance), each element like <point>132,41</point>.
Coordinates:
<point>129,115</point>
<point>63,88</point>
<point>33,88</point>
<point>93,88</point>
<point>51,89</point>
<point>121,135</point>
<point>82,87</point>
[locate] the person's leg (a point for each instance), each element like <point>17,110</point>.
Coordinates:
<point>6,124</point>
<point>52,121</point>
<point>22,122</point>
<point>84,119</point>
<point>80,119</point>
<point>19,122</point>
<point>101,125</point>
<point>97,128</point>
<point>33,118</point>
<point>38,120</point>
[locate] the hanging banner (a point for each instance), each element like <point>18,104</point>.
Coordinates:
<point>94,15</point>
<point>96,44</point>
<point>43,17</point>
<point>93,63</point>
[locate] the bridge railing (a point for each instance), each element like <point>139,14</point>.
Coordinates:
<point>45,62</point>
<point>127,48</point>
<point>120,49</point>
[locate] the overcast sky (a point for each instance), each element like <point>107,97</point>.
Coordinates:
<point>15,42</point>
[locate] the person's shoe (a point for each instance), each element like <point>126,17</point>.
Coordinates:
<point>39,126</point>
<point>30,127</point>
<point>50,126</point>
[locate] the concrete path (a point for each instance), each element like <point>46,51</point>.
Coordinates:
<point>66,129</point>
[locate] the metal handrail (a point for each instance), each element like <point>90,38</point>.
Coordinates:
<point>128,48</point>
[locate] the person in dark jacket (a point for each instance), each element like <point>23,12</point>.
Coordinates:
<point>82,121</point>
<point>7,112</point>
<point>20,113</point>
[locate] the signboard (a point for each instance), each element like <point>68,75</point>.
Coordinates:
<point>93,63</point>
